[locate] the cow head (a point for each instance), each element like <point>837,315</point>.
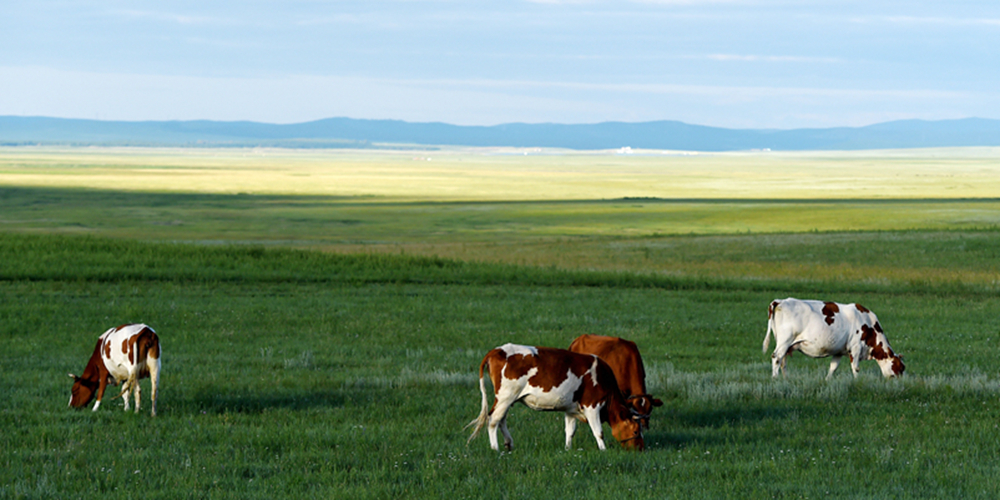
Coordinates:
<point>641,406</point>
<point>879,350</point>
<point>627,431</point>
<point>83,391</point>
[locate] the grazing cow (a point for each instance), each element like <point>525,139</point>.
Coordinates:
<point>543,378</point>
<point>123,355</point>
<point>624,359</point>
<point>820,329</point>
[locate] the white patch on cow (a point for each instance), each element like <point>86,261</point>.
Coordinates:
<point>515,349</point>
<point>593,371</point>
<point>559,397</point>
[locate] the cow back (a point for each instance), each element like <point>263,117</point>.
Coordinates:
<point>621,355</point>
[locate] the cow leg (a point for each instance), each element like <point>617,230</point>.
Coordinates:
<point>778,362</point>
<point>154,380</point>
<point>498,418</point>
<point>593,415</point>
<point>100,391</point>
<point>570,430</point>
<point>138,395</point>
<point>855,362</point>
<point>781,352</point>
<point>834,363</point>
<point>508,441</point>
<point>126,392</point>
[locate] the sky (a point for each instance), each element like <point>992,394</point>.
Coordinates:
<point>725,63</point>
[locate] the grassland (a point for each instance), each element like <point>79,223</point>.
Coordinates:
<point>293,373</point>
<point>323,344</point>
<point>558,208</point>
<point>514,175</point>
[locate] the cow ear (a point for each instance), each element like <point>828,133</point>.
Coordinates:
<point>657,402</point>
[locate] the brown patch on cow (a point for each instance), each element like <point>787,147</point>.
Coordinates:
<point>868,335</point>
<point>107,349</point>
<point>771,308</point>
<point>829,309</point>
<point>132,354</point>
<point>581,391</point>
<point>518,366</point>
<point>878,327</point>
<point>124,346</point>
<point>154,350</point>
<point>878,352</point>
<point>495,361</point>
<point>861,308</point>
<point>897,366</point>
<point>559,366</point>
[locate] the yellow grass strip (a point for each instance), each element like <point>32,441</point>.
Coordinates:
<point>504,174</point>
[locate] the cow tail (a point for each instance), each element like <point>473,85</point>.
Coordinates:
<point>141,352</point>
<point>126,386</point>
<point>770,325</point>
<point>484,411</point>
<point>133,378</point>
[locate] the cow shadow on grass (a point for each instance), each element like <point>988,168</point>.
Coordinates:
<point>211,401</point>
<point>682,428</point>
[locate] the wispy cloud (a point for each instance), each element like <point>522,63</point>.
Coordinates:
<point>685,3</point>
<point>927,20</point>
<point>768,59</point>
<point>173,18</point>
<point>700,90</point>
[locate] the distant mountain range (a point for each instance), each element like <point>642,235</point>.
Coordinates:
<point>353,133</point>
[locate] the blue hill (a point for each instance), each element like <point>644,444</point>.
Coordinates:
<point>347,132</point>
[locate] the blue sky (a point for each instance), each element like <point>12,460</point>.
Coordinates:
<point>728,63</point>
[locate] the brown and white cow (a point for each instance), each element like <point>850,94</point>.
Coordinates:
<point>123,355</point>
<point>624,359</point>
<point>820,329</point>
<point>543,378</point>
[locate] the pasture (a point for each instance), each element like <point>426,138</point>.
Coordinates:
<point>309,358</point>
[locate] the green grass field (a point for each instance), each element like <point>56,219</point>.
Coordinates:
<point>305,357</point>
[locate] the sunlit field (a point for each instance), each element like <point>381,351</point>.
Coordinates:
<point>514,175</point>
<point>323,315</point>
<point>558,208</point>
